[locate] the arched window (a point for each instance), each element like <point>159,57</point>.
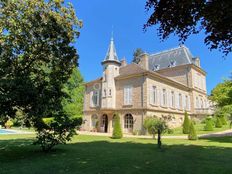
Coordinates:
<point>94,120</point>
<point>128,121</point>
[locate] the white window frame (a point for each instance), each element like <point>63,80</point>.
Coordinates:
<point>172,99</point>
<point>164,97</point>
<point>128,94</point>
<point>92,95</point>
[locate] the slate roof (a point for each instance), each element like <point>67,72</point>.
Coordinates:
<point>111,54</point>
<point>170,58</point>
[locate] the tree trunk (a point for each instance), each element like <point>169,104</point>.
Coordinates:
<point>159,139</point>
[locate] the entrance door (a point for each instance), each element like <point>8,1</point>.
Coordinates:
<point>105,123</point>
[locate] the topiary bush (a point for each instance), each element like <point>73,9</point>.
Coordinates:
<point>223,120</point>
<point>218,123</point>
<point>117,131</point>
<point>186,124</point>
<point>208,124</point>
<point>192,132</point>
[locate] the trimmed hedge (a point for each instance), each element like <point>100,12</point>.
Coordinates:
<point>208,124</point>
<point>186,124</point>
<point>218,123</point>
<point>192,132</point>
<point>117,131</point>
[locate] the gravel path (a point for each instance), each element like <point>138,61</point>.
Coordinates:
<point>217,134</point>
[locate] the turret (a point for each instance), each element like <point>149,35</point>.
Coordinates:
<point>111,66</point>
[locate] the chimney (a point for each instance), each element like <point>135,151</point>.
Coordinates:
<point>197,61</point>
<point>144,61</point>
<point>123,62</point>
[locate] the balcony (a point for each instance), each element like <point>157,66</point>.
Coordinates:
<point>206,111</point>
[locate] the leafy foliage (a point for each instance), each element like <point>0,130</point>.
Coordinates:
<point>117,131</point>
<point>136,55</point>
<point>218,122</point>
<point>222,94</point>
<point>155,125</point>
<point>37,57</point>
<point>192,132</point>
<point>186,124</point>
<point>74,88</point>
<point>9,124</point>
<point>183,18</point>
<point>208,124</point>
<point>57,130</point>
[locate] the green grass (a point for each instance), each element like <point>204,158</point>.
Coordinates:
<point>103,155</point>
<point>199,129</point>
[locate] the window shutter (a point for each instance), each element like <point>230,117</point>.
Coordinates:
<point>183,102</point>
<point>168,98</point>
<point>98,97</point>
<point>162,98</point>
<point>125,95</point>
<point>177,101</point>
<point>91,99</point>
<point>151,95</point>
<point>130,94</point>
<point>189,105</point>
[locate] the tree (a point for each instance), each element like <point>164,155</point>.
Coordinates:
<point>192,132</point>
<point>155,125</point>
<point>37,56</point>
<point>149,125</point>
<point>74,88</point>
<point>218,123</point>
<point>208,124</point>
<point>117,131</point>
<point>184,18</point>
<point>136,55</point>
<point>222,94</point>
<point>186,124</point>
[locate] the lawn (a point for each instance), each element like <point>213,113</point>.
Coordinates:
<point>103,155</point>
<point>200,129</point>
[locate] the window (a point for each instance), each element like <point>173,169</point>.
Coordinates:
<point>94,120</point>
<point>95,98</point>
<point>197,102</point>
<point>109,92</point>
<point>128,121</point>
<point>164,97</point>
<point>153,94</point>
<point>172,99</point>
<point>105,93</point>
<point>180,101</point>
<point>186,103</point>
<point>128,95</point>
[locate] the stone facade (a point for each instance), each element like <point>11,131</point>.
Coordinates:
<point>134,91</point>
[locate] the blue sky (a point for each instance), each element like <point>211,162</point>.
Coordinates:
<point>127,18</point>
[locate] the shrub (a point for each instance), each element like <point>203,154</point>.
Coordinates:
<point>9,124</point>
<point>170,131</point>
<point>186,124</point>
<point>192,132</point>
<point>57,130</point>
<point>223,120</point>
<point>218,123</point>
<point>117,132</point>
<point>48,121</point>
<point>208,124</point>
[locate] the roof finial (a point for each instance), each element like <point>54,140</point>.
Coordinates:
<point>112,33</point>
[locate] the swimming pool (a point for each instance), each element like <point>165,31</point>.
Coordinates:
<point>3,131</point>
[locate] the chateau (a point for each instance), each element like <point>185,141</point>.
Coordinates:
<point>164,85</point>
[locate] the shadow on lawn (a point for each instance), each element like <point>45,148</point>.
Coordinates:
<point>19,156</point>
<point>225,139</point>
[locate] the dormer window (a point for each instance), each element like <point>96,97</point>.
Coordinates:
<point>156,67</point>
<point>172,63</point>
